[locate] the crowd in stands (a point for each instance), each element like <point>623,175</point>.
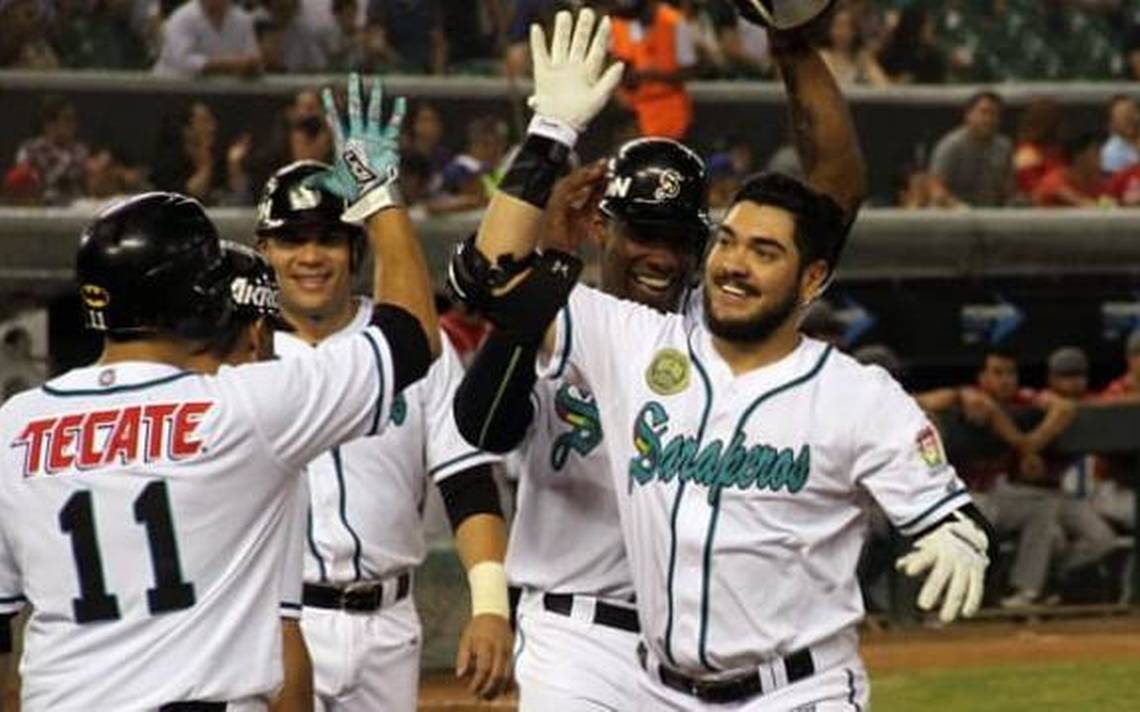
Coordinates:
<point>874,42</point>
<point>1068,518</point>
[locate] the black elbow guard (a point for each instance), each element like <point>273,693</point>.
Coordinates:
<point>492,404</point>
<point>411,354</point>
<point>469,493</point>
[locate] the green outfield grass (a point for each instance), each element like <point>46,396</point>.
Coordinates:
<point>1074,687</point>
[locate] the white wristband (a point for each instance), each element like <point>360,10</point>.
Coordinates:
<point>379,198</point>
<point>488,582</point>
<point>553,129</point>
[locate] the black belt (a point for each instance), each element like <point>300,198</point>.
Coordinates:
<point>798,666</point>
<point>604,614</point>
<point>194,707</point>
<point>358,598</point>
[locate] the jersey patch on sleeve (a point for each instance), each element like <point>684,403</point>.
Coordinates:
<point>930,449</point>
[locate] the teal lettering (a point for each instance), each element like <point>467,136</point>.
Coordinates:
<point>705,470</point>
<point>779,474</point>
<point>765,460</point>
<point>798,476</point>
<point>648,427</point>
<point>679,451</point>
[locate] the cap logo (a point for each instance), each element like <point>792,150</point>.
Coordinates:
<point>302,198</point>
<point>249,294</point>
<point>668,185</point>
<point>619,186</point>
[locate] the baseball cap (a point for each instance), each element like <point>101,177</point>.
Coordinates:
<point>1133,346</point>
<point>1068,361</point>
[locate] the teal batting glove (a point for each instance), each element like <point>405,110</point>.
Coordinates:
<point>367,154</point>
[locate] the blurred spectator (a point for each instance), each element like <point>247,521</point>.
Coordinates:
<point>270,45</point>
<point>1012,505</point>
<point>1079,182</point>
<point>911,54</point>
<point>416,183</point>
<point>743,43</point>
<point>208,37</point>
<point>727,168</point>
<point>706,19</point>
<point>469,178</point>
<point>1127,385</point>
<point>870,23</point>
<point>656,44</point>
<point>844,52</point>
<point>476,35</point>
<point>882,356</point>
<point>820,321</point>
<point>56,155</point>
<point>426,137</point>
<point>19,368</point>
<point>409,34</point>
<point>188,158</point>
<point>300,134</point>
<point>23,41</point>
<point>109,174</point>
<point>914,189</point>
<point>21,186</point>
<point>346,42</point>
<point>527,13</point>
<point>1087,537</point>
<point>101,36</point>
<point>301,49</point>
<point>1039,150</point>
<point>786,159</point>
<point>972,165</point>
<point>1122,149</point>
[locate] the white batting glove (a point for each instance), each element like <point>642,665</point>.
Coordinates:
<point>955,555</point>
<point>569,86</point>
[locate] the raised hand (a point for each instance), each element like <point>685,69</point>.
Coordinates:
<point>569,85</point>
<point>367,152</point>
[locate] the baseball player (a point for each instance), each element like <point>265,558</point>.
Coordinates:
<point>144,502</point>
<point>365,532</point>
<point>747,453</point>
<point>578,629</point>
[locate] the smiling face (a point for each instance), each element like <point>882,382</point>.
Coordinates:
<point>653,273</point>
<point>754,281</point>
<point>314,272</point>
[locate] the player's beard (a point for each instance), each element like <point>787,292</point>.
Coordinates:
<point>756,328</point>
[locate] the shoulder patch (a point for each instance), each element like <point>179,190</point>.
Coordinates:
<point>668,373</point>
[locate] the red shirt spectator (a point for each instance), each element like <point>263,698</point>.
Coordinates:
<point>1080,183</point>
<point>1038,152</point>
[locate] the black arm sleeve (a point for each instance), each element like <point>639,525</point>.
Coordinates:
<point>411,354</point>
<point>492,404</point>
<point>468,493</point>
<point>5,634</point>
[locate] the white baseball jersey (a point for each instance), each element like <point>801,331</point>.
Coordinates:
<point>144,514</point>
<point>566,537</point>
<point>366,496</point>
<point>745,495</point>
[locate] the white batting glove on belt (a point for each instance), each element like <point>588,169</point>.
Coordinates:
<point>569,85</point>
<point>955,555</point>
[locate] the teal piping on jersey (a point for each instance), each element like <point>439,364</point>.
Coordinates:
<point>677,500</point>
<point>702,649</point>
<point>567,335</point>
<point>455,460</point>
<point>290,606</point>
<point>952,495</point>
<point>116,389</point>
<point>380,396</point>
<point>851,690</point>
<point>344,513</point>
<point>313,547</point>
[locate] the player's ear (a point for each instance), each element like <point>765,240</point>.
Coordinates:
<point>813,281</point>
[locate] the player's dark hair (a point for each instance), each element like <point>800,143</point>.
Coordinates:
<point>821,227</point>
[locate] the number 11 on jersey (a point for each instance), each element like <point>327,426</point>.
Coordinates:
<point>152,510</point>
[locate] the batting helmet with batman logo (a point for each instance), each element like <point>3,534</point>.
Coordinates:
<point>153,264</point>
<point>660,189</point>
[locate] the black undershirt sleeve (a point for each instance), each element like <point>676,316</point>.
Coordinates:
<point>468,493</point>
<point>411,354</point>
<point>492,404</point>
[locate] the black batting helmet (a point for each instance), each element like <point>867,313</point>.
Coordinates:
<point>659,188</point>
<point>153,263</point>
<point>289,208</point>
<point>253,286</point>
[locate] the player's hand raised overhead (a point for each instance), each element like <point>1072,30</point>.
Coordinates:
<point>367,151</point>
<point>955,556</point>
<point>570,87</point>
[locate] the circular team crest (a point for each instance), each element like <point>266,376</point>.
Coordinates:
<point>668,185</point>
<point>668,373</point>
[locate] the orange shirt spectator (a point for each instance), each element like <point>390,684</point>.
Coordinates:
<point>656,44</point>
<point>1078,184</point>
